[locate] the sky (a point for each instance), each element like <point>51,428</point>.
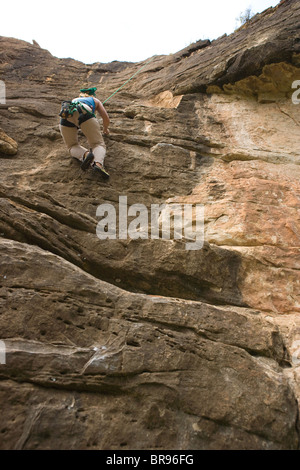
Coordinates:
<point>124,30</point>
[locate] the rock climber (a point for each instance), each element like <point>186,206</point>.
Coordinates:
<point>80,113</point>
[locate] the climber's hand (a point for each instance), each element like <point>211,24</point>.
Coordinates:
<point>105,131</point>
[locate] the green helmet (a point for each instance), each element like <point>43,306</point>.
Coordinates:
<point>90,91</point>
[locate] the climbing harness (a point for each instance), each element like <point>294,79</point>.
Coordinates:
<point>148,62</point>
<point>68,108</point>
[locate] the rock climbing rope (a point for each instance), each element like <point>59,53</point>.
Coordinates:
<point>148,62</point>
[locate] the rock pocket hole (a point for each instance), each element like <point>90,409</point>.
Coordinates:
<point>134,343</point>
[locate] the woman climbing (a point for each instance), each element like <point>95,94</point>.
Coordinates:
<point>80,113</point>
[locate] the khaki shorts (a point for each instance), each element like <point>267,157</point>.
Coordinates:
<point>91,130</point>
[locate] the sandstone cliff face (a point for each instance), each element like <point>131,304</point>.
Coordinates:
<point>142,344</point>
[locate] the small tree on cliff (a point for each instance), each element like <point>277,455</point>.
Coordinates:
<point>245,16</point>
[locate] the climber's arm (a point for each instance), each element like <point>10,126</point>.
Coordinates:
<point>102,111</point>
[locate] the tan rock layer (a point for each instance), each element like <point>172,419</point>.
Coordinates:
<point>183,372</point>
<point>8,146</point>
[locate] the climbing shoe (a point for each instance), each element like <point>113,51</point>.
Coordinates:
<point>87,160</point>
<point>100,168</point>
